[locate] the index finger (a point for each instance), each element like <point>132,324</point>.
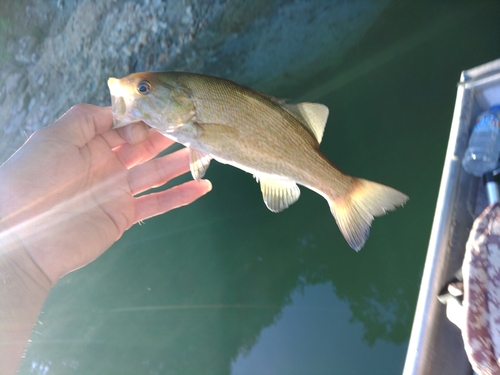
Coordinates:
<point>131,155</point>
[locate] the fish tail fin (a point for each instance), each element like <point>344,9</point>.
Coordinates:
<point>354,212</point>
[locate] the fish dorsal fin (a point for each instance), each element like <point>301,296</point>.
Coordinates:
<point>314,116</point>
<point>198,163</point>
<point>278,193</point>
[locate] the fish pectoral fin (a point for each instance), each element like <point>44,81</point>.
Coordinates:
<point>198,163</point>
<point>313,115</point>
<point>278,193</point>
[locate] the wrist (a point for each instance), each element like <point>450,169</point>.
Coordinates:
<point>23,289</point>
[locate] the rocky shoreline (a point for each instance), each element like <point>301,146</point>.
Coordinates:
<point>64,50</point>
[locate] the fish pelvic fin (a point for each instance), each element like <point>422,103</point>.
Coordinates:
<point>198,163</point>
<point>355,212</point>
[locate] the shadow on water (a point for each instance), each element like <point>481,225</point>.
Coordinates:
<point>199,290</point>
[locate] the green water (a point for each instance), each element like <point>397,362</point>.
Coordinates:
<point>224,286</point>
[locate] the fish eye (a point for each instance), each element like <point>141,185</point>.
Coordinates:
<point>144,87</point>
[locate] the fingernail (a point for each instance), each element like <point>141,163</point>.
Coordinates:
<point>209,184</point>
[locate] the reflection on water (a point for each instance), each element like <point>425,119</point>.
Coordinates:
<point>40,368</point>
<point>314,335</point>
<point>195,303</point>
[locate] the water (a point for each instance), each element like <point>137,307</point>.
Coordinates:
<point>226,287</point>
<point>316,326</point>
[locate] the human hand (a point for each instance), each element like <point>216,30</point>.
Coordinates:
<point>69,192</point>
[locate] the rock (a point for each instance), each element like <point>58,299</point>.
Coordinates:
<point>12,83</point>
<point>16,124</point>
<point>69,48</point>
<point>26,50</point>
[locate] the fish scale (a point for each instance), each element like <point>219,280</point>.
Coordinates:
<point>275,141</point>
<point>253,131</point>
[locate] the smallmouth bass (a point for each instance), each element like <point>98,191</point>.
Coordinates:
<point>277,142</point>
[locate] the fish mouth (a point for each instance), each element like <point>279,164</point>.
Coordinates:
<point>122,104</point>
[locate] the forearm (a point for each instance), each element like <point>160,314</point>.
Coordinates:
<point>23,289</point>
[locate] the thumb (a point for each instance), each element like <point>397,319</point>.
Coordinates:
<point>81,123</point>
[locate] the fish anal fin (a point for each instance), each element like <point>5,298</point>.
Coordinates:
<point>278,193</point>
<point>198,163</point>
<point>313,115</point>
<point>354,213</point>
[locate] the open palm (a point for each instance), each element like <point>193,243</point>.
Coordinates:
<point>69,192</point>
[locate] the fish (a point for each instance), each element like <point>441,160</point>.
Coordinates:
<point>274,140</point>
